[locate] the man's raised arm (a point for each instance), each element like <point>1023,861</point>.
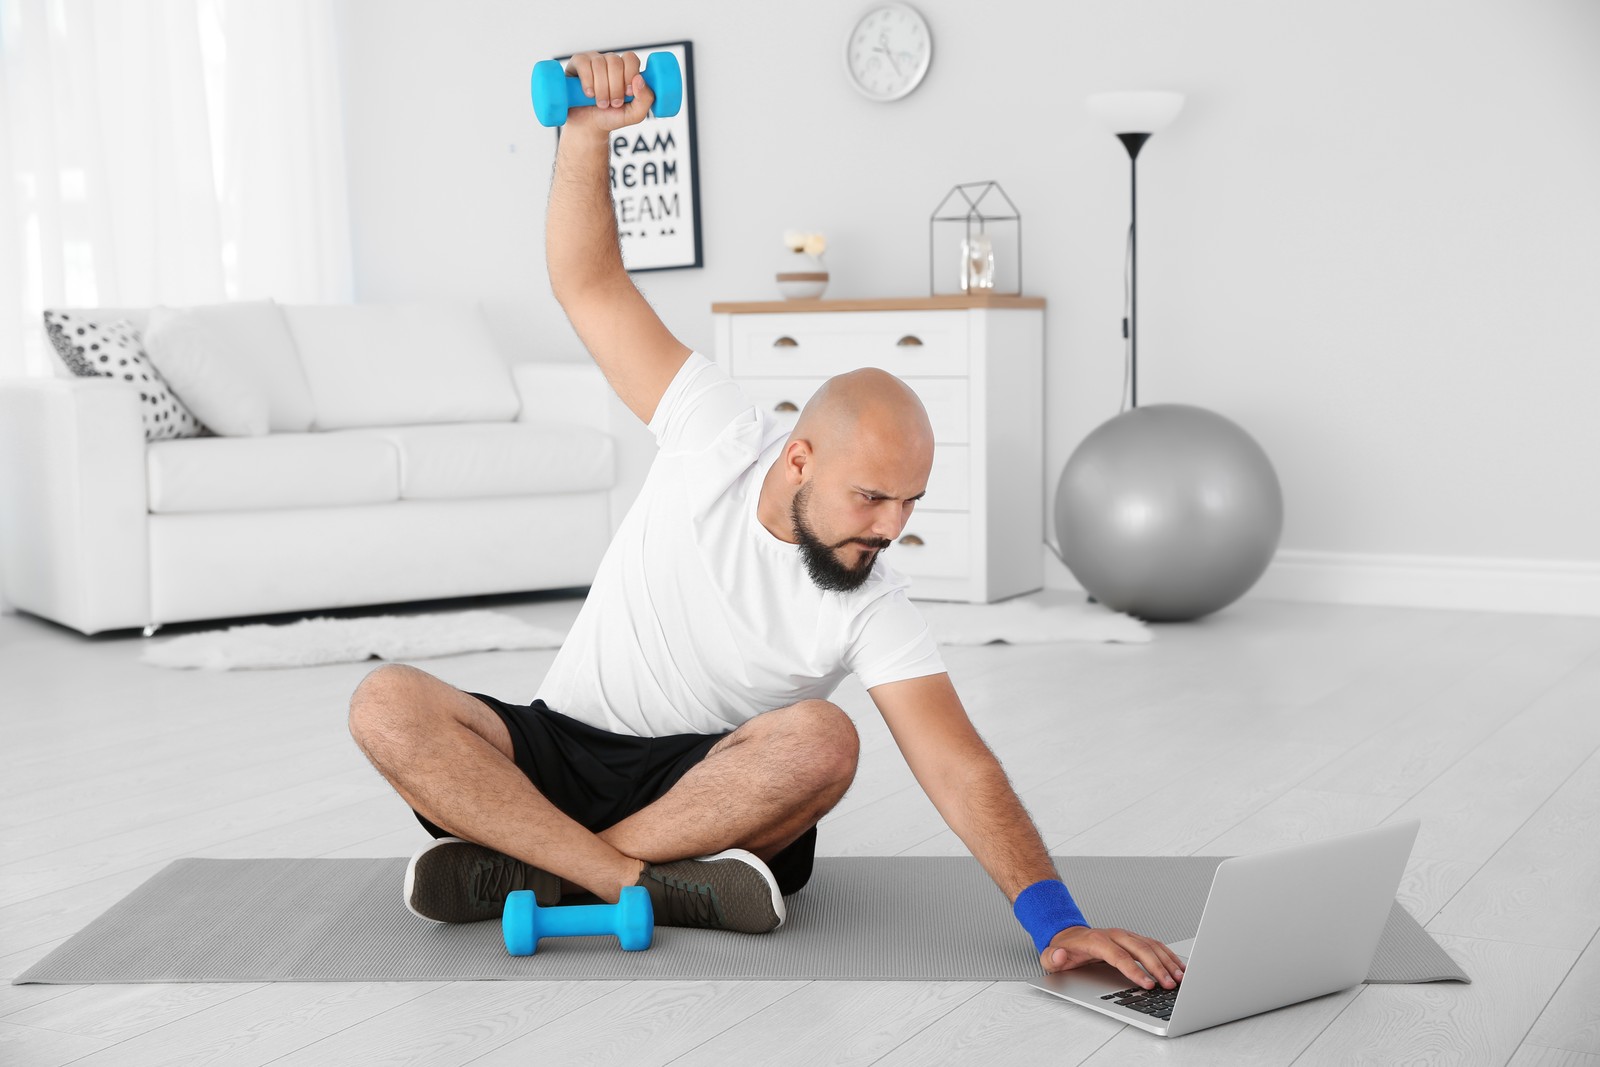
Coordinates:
<point>634,349</point>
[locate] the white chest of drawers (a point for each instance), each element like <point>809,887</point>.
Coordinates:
<point>977,364</point>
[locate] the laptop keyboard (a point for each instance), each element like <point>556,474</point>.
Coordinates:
<point>1156,1003</point>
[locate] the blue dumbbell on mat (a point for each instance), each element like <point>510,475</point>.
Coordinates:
<point>554,92</point>
<point>523,922</point>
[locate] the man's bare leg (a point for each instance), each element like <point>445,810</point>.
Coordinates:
<point>450,758</point>
<point>759,789</point>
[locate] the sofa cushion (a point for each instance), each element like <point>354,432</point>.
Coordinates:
<point>94,348</point>
<point>281,470</point>
<point>497,459</point>
<point>401,364</point>
<point>235,365</point>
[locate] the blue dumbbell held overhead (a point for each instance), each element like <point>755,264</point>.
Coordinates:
<point>554,93</point>
<point>631,919</point>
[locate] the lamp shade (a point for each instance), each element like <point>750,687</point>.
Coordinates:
<point>1136,112</point>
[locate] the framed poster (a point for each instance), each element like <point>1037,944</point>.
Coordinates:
<point>655,185</point>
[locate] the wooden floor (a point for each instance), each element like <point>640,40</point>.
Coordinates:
<point>1263,725</point>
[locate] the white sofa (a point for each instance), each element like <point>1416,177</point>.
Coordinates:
<point>431,467</point>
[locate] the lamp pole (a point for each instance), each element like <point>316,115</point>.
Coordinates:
<point>1133,142</point>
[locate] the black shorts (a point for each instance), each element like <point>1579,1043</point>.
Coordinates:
<point>599,778</point>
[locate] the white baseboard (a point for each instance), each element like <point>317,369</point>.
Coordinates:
<point>1539,587</point>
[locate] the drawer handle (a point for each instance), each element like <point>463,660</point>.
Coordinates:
<point>785,405</point>
<point>909,341</point>
<point>786,342</point>
<point>912,540</point>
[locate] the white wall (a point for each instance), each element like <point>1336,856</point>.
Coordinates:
<point>1372,237</point>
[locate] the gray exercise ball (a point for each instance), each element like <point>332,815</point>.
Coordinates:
<point>1168,512</point>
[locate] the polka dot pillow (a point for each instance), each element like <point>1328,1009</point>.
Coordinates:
<point>94,350</point>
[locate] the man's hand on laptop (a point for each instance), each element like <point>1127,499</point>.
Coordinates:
<point>1123,949</point>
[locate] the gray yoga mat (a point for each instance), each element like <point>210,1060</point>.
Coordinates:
<point>887,919</point>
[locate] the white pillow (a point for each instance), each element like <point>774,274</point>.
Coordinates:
<point>237,360</point>
<point>401,364</point>
<point>223,392</point>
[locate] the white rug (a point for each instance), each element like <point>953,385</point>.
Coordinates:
<point>316,641</point>
<point>1050,615</point>
<point>1040,617</point>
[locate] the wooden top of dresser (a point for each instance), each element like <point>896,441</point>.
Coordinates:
<point>880,303</point>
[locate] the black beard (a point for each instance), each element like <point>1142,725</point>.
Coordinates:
<point>826,571</point>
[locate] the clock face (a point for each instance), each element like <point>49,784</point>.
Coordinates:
<point>888,52</point>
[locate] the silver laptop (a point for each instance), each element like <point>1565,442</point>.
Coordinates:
<point>1278,927</point>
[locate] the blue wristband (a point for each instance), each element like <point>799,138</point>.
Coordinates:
<point>1045,909</point>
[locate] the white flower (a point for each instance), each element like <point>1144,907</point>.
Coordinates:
<point>812,244</point>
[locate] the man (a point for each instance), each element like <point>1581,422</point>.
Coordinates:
<point>683,740</point>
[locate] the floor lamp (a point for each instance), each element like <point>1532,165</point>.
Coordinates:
<point>1167,512</point>
<point>1133,117</point>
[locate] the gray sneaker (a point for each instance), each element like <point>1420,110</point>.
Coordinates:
<point>454,881</point>
<point>732,890</point>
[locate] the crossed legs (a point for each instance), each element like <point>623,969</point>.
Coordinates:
<point>450,758</point>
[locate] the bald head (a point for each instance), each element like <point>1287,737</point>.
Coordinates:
<point>866,411</point>
<point>849,476</point>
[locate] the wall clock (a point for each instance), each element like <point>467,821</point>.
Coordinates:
<point>888,51</point>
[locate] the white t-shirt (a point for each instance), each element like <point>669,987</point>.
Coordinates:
<point>699,619</point>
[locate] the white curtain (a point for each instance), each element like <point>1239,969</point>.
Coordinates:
<point>170,152</point>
